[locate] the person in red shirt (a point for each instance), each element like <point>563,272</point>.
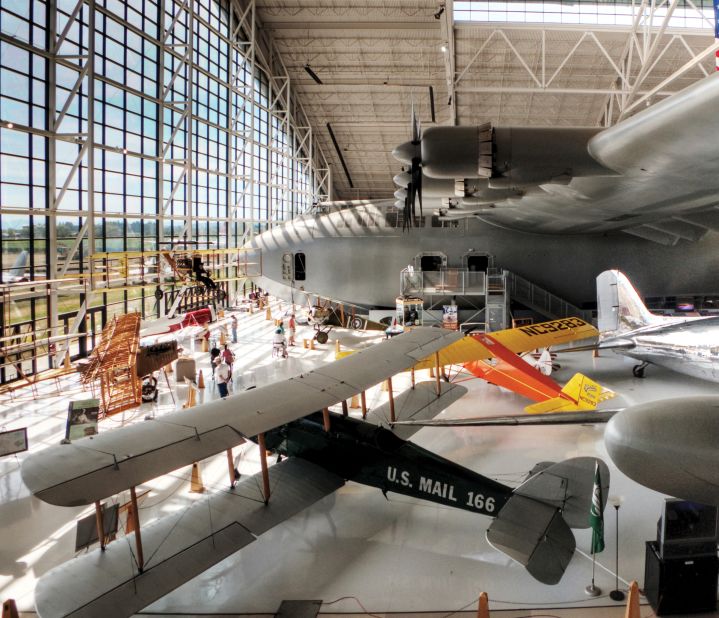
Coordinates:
<point>292,326</point>
<point>228,356</point>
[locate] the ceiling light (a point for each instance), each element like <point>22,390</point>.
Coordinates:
<point>444,47</point>
<point>10,125</point>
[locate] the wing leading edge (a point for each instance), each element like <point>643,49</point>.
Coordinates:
<point>93,468</point>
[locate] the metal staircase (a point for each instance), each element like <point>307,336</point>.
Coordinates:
<point>540,300</point>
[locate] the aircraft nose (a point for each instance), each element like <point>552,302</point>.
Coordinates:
<point>669,446</point>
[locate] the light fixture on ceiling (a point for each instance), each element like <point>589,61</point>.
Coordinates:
<point>312,74</point>
<point>444,48</point>
<point>10,125</point>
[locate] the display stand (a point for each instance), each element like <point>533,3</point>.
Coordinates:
<point>409,312</point>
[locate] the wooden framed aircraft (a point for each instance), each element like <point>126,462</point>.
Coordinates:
<point>531,523</point>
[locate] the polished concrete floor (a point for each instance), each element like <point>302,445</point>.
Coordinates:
<point>355,550</point>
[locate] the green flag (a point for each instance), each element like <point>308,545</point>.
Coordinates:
<point>596,515</point>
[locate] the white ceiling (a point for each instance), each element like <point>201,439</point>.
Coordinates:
<point>378,59</point>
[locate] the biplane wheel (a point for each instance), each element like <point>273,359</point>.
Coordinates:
<point>356,323</point>
<point>638,371</point>
<point>322,337</point>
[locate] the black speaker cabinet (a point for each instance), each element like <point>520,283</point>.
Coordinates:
<point>680,585</point>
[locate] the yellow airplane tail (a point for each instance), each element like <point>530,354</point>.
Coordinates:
<point>580,393</point>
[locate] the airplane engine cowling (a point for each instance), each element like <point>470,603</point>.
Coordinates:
<point>457,152</point>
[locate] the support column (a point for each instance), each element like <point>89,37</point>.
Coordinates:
<point>437,374</point>
<point>326,418</point>
<point>100,523</point>
<point>345,411</point>
<point>363,400</point>
<point>263,465</point>
<point>231,468</point>
<point>391,400</point>
<point>138,537</point>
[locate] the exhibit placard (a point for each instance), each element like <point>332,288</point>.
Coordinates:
<point>82,418</point>
<point>13,441</point>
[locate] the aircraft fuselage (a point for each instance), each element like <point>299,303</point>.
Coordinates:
<point>356,256</point>
<point>371,455</point>
<point>690,347</point>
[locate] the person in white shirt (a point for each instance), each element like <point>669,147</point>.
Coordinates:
<point>279,343</point>
<point>223,375</point>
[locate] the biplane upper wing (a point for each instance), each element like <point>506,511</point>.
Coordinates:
<point>518,340</point>
<point>179,546</point>
<point>93,468</point>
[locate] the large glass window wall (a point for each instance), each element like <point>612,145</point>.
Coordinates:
<point>147,126</point>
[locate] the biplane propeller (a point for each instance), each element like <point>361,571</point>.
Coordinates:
<point>532,523</point>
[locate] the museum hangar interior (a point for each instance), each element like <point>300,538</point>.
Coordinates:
<point>242,240</point>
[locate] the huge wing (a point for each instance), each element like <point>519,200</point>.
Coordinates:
<point>660,183</point>
<point>179,546</point>
<point>93,468</point>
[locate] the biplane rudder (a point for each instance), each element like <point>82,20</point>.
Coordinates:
<point>580,393</point>
<point>534,526</point>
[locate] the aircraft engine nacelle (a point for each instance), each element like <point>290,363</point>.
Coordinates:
<point>525,156</point>
<point>457,152</point>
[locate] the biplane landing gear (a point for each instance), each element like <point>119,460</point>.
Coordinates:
<point>638,370</point>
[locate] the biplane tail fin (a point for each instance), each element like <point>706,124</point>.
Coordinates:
<point>534,526</point>
<point>580,393</point>
<point>620,308</point>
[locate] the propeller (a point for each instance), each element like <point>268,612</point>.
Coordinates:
<point>415,188</point>
<point>410,153</point>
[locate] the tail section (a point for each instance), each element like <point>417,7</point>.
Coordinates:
<point>580,393</point>
<point>620,308</point>
<point>534,526</point>
<point>18,268</point>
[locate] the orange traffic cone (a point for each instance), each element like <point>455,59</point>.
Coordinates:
<point>200,380</point>
<point>483,608</point>
<point>633,601</point>
<point>9,609</point>
<point>268,313</point>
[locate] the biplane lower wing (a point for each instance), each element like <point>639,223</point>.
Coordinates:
<point>180,546</point>
<point>416,404</point>
<point>93,468</point>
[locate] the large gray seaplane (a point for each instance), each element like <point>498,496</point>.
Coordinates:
<point>554,205</point>
<point>531,523</point>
